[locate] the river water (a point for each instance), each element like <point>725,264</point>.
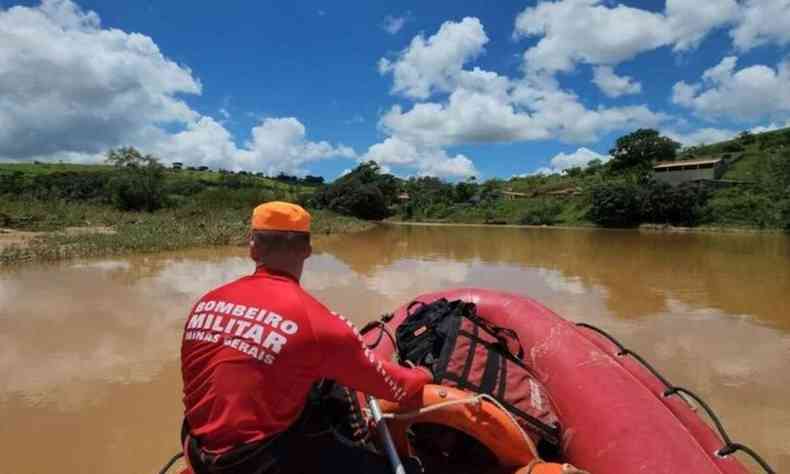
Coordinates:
<point>89,370</point>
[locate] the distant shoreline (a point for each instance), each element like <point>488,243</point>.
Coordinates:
<point>647,228</point>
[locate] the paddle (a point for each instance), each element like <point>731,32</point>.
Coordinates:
<point>386,437</point>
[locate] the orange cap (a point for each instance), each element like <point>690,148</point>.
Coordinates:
<point>278,215</point>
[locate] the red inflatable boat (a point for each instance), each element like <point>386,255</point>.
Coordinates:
<point>618,417</point>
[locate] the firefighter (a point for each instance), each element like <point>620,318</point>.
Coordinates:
<point>253,348</point>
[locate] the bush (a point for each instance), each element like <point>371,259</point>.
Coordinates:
<point>682,205</point>
<point>616,204</point>
<point>365,201</point>
<point>542,212</point>
<point>12,183</point>
<point>744,207</point>
<point>184,186</point>
<point>138,188</point>
<point>71,186</point>
<point>365,193</point>
<point>784,214</point>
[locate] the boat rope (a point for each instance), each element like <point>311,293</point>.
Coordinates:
<point>729,447</point>
<point>383,329</point>
<point>473,400</point>
<point>170,463</point>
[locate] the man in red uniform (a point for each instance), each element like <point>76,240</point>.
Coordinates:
<point>252,349</point>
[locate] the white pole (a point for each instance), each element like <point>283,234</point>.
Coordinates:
<point>386,437</point>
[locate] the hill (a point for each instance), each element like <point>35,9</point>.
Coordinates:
<point>754,191</point>
<point>206,176</point>
<point>53,211</point>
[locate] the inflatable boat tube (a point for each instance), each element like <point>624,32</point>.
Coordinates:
<point>615,414</point>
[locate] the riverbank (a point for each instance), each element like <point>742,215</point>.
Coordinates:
<point>49,231</point>
<point>656,228</point>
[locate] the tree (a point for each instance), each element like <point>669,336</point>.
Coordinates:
<point>365,192</point>
<point>616,204</point>
<point>541,212</point>
<point>746,137</point>
<point>636,152</point>
<point>129,157</point>
<point>594,166</point>
<point>138,182</point>
<point>464,191</point>
<point>681,205</point>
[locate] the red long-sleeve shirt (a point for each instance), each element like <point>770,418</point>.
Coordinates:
<point>252,349</point>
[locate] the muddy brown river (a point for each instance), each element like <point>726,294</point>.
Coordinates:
<point>89,369</point>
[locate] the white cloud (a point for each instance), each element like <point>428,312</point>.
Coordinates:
<point>589,31</point>
<point>613,85</point>
<point>748,94</point>
<point>480,106</point>
<point>467,117</point>
<point>563,161</point>
<point>72,89</point>
<point>429,160</point>
<point>205,142</point>
<point>430,65</point>
<point>762,22</point>
<point>770,127</point>
<point>279,144</point>
<point>70,86</point>
<point>393,24</point>
<point>701,136</point>
<point>709,135</point>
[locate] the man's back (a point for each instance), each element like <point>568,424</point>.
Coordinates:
<point>253,348</point>
<point>248,360</point>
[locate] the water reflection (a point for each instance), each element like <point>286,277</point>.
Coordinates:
<point>89,350</point>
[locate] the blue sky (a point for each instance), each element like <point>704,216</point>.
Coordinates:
<point>443,88</point>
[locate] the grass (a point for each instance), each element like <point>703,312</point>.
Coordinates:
<point>134,232</point>
<point>47,168</point>
<point>33,169</point>
<point>573,211</point>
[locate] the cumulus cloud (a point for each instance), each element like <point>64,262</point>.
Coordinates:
<point>277,144</point>
<point>478,106</point>
<point>393,24</point>
<point>68,85</point>
<point>701,136</point>
<point>762,22</point>
<point>748,94</point>
<point>71,89</point>
<point>770,127</point>
<point>428,160</point>
<point>591,32</point>
<point>428,65</point>
<point>280,144</point>
<point>563,161</point>
<point>613,85</point>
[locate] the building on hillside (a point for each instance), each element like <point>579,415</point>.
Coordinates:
<point>177,165</point>
<point>512,195</point>
<point>565,192</point>
<point>679,172</point>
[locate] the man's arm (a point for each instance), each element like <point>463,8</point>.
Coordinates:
<point>347,360</point>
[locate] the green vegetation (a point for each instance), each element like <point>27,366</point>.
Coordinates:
<point>135,205</point>
<point>754,191</point>
<point>636,153</point>
<point>365,192</point>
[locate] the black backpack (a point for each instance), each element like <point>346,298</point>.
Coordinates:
<point>466,351</point>
<point>422,335</point>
